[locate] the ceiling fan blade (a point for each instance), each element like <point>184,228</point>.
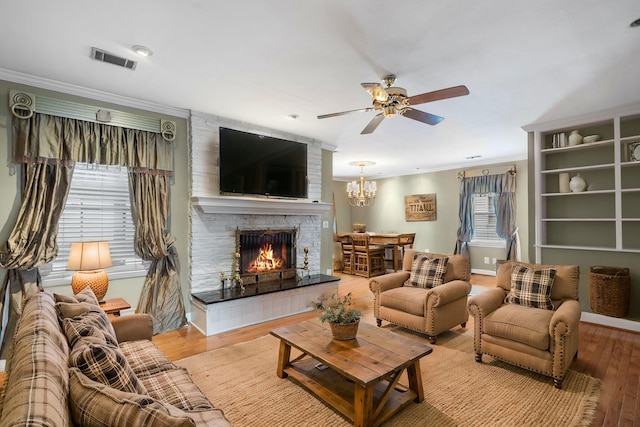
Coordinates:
<point>437,95</point>
<point>421,116</point>
<point>361,110</point>
<point>373,124</point>
<point>376,91</point>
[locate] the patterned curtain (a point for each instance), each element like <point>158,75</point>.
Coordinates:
<point>49,146</point>
<point>504,187</point>
<point>32,242</point>
<point>161,295</point>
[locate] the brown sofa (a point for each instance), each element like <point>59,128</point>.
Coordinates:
<point>427,310</point>
<point>537,339</point>
<point>68,365</point>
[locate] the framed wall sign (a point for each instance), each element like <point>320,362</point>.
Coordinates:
<point>420,207</point>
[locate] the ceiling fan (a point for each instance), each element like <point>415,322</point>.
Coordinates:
<point>391,100</point>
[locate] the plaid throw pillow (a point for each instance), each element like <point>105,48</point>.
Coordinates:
<point>531,288</point>
<point>105,364</point>
<point>427,272</point>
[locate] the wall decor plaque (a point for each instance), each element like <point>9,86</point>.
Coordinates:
<point>420,207</point>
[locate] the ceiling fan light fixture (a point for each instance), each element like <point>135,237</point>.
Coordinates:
<point>389,111</point>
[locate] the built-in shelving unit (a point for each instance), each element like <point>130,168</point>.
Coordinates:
<point>606,216</point>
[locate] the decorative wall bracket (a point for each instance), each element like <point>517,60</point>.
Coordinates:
<point>22,104</point>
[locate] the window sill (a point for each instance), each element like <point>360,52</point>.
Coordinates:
<point>112,276</point>
<point>498,244</point>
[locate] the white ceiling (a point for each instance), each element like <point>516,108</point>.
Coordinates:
<point>259,61</point>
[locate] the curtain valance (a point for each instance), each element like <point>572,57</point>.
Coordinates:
<point>70,140</point>
<point>493,184</point>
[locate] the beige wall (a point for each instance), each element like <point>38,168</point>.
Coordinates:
<point>9,189</point>
<point>387,214</point>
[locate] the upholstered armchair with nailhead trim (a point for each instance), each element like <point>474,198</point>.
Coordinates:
<point>427,308</point>
<point>527,322</point>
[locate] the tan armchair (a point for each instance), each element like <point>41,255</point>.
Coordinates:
<point>537,339</point>
<point>427,310</point>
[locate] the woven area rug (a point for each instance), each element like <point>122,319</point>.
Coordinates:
<point>242,381</point>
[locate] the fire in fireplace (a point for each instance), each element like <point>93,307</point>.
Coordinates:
<point>266,254</point>
<point>266,261</point>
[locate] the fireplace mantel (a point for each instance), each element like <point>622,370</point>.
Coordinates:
<point>262,206</point>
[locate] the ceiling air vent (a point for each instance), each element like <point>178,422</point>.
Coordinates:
<point>104,56</point>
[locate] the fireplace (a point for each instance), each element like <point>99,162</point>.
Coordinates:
<point>266,255</point>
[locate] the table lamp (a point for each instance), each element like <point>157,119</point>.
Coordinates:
<point>89,259</point>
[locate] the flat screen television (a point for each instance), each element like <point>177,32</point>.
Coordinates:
<point>254,164</point>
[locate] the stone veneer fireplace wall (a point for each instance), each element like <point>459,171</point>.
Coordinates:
<point>214,219</point>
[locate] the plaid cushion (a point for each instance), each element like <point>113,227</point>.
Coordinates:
<point>105,365</point>
<point>97,405</point>
<point>36,375</point>
<point>176,388</point>
<point>531,288</point>
<point>87,295</point>
<point>145,358</point>
<point>78,328</point>
<point>427,272</point>
<point>64,298</point>
<point>84,307</point>
<point>209,418</point>
<point>73,309</point>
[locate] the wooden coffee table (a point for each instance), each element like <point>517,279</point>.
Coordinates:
<point>361,381</point>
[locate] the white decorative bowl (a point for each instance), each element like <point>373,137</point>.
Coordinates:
<point>590,138</point>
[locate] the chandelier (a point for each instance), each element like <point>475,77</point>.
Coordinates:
<point>361,193</point>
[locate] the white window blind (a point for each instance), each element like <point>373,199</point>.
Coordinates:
<point>97,209</point>
<point>484,219</point>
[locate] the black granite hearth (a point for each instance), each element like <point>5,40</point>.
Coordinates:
<point>232,293</point>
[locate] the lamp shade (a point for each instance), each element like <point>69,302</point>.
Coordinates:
<point>87,256</point>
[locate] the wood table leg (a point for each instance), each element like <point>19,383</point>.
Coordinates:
<point>415,381</point>
<point>283,358</point>
<point>396,260</point>
<point>363,406</point>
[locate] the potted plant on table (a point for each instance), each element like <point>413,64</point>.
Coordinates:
<point>343,318</point>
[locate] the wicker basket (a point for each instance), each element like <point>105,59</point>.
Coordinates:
<point>610,289</point>
<point>344,331</point>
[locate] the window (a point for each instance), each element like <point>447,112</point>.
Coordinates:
<point>98,208</point>
<point>484,222</point>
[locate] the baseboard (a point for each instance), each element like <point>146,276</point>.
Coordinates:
<point>483,272</point>
<point>614,322</point>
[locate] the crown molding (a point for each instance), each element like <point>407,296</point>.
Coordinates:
<point>69,89</point>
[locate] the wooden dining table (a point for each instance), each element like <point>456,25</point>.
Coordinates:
<point>396,240</point>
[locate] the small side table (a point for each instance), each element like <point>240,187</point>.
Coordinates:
<point>113,306</point>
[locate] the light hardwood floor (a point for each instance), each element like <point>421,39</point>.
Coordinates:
<point>609,354</point>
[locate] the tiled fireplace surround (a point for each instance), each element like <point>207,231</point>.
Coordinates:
<point>214,220</point>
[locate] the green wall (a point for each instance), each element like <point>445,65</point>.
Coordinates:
<point>128,289</point>
<point>387,214</point>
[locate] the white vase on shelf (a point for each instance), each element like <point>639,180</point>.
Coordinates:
<point>577,184</point>
<point>575,138</point>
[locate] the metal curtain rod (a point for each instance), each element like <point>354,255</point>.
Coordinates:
<point>496,170</point>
